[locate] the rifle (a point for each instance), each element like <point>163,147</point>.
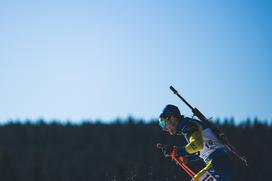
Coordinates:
<point>218,133</point>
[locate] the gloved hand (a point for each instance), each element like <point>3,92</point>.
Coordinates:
<point>167,150</point>
<point>180,154</point>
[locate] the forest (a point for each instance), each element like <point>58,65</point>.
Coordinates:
<point>123,150</point>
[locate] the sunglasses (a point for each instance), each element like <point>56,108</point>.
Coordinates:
<point>162,122</point>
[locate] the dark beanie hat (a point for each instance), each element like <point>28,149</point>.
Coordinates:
<point>170,110</point>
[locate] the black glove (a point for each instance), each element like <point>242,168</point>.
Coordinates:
<point>167,150</point>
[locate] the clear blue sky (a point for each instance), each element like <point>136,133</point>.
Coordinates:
<point>106,59</point>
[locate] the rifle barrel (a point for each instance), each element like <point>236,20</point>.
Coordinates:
<point>176,92</point>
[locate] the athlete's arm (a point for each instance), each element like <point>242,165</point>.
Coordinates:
<point>195,142</point>
<point>193,134</point>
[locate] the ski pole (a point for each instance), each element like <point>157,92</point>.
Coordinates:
<point>180,163</point>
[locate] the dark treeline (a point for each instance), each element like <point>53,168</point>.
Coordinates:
<point>121,151</point>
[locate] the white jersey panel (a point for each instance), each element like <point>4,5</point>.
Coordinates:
<point>211,143</point>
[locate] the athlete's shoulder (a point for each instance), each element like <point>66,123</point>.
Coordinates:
<point>191,125</point>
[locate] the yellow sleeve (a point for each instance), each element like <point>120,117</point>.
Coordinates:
<point>203,171</point>
<point>195,143</point>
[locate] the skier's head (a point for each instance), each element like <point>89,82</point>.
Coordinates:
<point>169,118</point>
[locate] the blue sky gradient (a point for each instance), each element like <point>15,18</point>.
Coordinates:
<point>106,59</point>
